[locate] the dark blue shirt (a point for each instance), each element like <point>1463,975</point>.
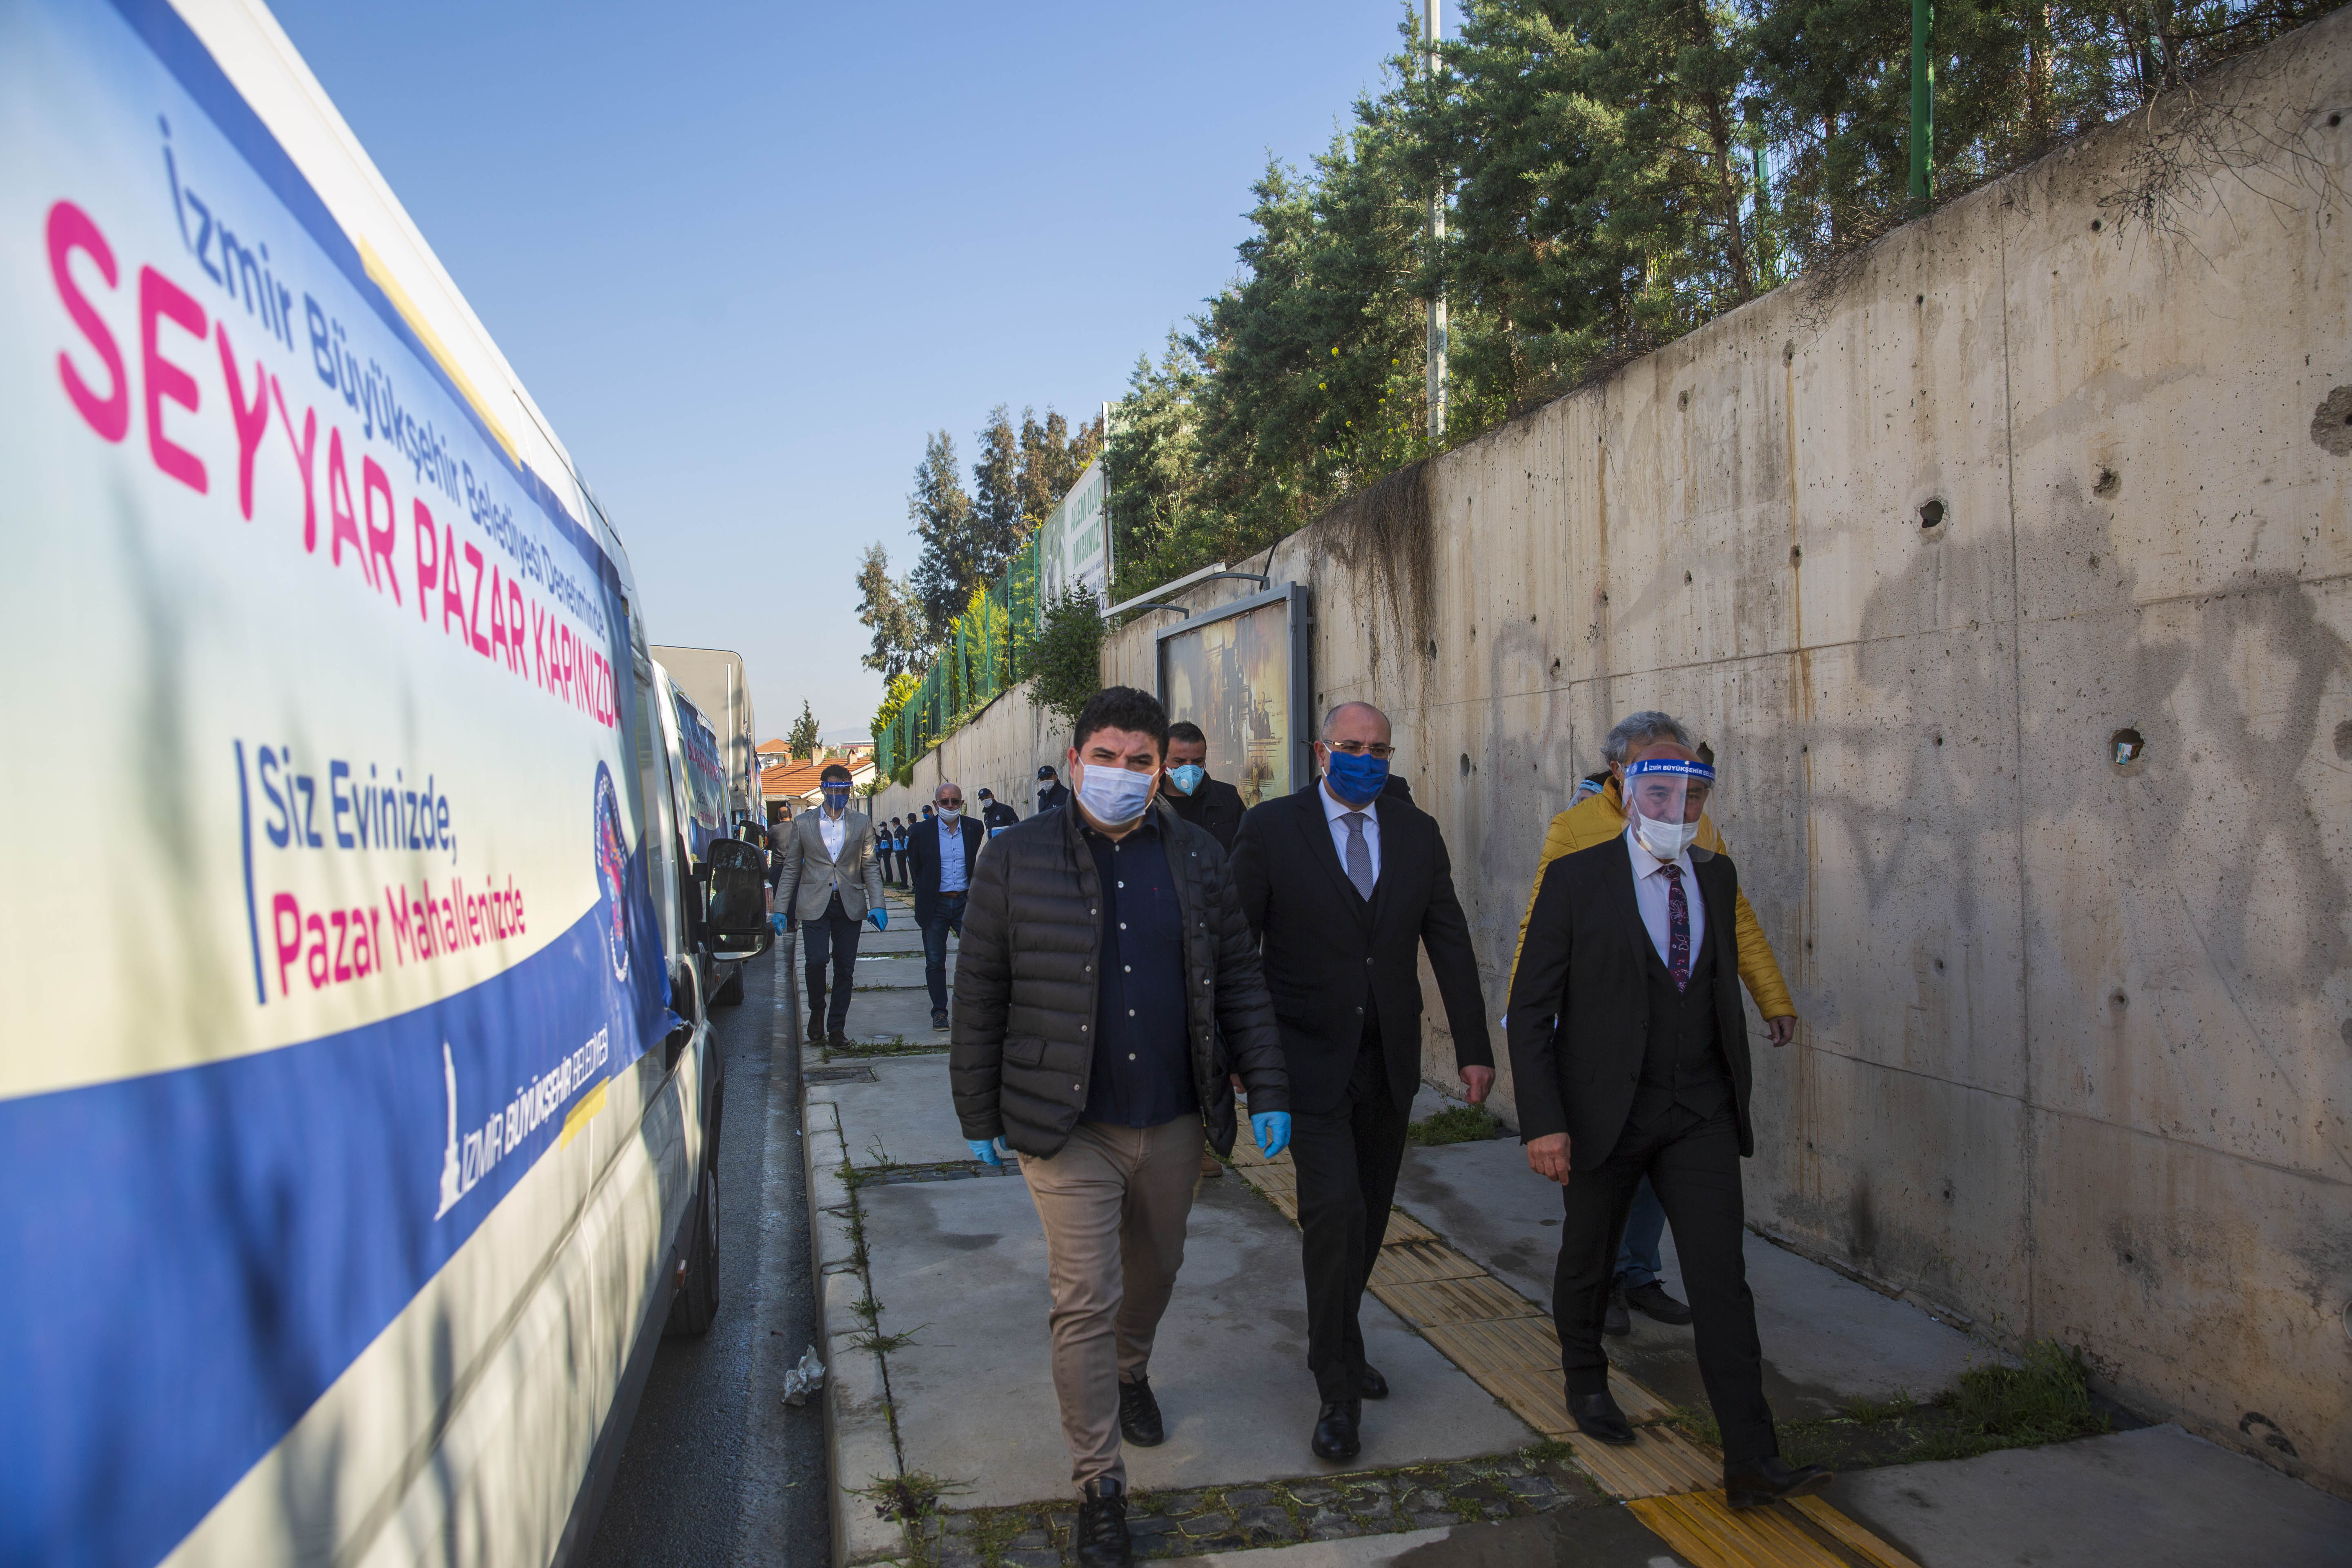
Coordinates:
<point>1143,1059</point>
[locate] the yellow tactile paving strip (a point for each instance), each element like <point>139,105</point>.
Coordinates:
<point>1508,1345</point>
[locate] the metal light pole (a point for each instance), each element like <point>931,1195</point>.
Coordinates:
<point>1922,100</point>
<point>1437,368</point>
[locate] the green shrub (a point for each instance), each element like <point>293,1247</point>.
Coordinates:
<point>1456,1124</point>
<point>2047,1399</point>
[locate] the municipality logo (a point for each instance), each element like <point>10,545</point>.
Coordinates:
<point>613,871</point>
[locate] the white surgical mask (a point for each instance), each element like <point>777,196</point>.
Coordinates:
<point>1114,796</point>
<point>950,813</point>
<point>1666,840</point>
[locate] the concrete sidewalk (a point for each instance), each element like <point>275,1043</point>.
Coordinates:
<point>948,1452</point>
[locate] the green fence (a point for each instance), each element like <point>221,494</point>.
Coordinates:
<point>986,652</point>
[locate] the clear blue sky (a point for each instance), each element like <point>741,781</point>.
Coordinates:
<point>746,256</point>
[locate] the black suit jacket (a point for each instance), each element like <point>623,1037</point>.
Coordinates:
<point>923,858</point>
<point>1329,955</point>
<point>1580,1001</point>
<point>1215,807</point>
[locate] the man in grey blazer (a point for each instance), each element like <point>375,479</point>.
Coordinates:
<point>830,880</point>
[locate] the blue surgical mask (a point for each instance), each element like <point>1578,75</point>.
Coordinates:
<point>1356,780</point>
<point>1187,777</point>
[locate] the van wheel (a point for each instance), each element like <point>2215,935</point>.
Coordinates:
<point>730,994</point>
<point>695,1304</point>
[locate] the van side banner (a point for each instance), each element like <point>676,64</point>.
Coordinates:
<point>327,919</point>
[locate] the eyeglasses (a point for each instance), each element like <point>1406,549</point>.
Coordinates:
<point>953,800</point>
<point>1379,752</point>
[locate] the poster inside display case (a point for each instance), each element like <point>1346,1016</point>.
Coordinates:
<point>1239,671</point>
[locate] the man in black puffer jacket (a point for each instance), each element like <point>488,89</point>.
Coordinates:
<point>1106,990</point>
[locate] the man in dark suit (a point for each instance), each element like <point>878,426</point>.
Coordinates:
<point>1341,881</point>
<point>995,815</point>
<point>940,850</point>
<point>1052,792</point>
<point>1629,1051</point>
<point>1209,803</point>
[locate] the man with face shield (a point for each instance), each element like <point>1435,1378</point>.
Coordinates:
<point>829,879</point>
<point>1106,988</point>
<point>1629,1052</point>
<point>1596,816</point>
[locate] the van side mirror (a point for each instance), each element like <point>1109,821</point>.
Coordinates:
<point>736,902</point>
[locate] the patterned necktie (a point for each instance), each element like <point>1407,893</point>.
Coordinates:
<point>1360,854</point>
<point>1677,928</point>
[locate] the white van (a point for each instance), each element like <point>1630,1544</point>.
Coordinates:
<point>357,1106</point>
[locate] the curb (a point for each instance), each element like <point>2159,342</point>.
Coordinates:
<point>859,1441</point>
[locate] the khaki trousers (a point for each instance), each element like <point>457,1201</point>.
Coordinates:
<point>1114,1205</point>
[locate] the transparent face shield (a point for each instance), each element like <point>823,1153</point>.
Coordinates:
<point>1665,798</point>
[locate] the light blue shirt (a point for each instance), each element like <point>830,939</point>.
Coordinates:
<point>953,877</point>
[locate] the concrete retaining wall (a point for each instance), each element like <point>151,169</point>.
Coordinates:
<point>2076,1058</point>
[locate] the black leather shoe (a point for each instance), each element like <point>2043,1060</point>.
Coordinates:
<point>1372,1383</point>
<point>1102,1538</point>
<point>1652,1301</point>
<point>1335,1429</point>
<point>838,1040</point>
<point>1616,1321</point>
<point>815,1035</point>
<point>939,1018</point>
<point>1772,1479</point>
<point>1138,1414</point>
<point>1597,1416</point>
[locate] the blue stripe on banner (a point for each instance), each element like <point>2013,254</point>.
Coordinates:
<point>189,1259</point>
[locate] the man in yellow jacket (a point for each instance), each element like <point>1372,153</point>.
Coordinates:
<point>1595,819</point>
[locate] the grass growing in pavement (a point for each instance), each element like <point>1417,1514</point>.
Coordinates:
<point>1455,1124</point>
<point>2046,1400</point>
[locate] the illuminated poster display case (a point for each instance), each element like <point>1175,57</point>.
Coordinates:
<point>1240,672</point>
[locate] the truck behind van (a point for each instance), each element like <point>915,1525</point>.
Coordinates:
<point>358,1108</point>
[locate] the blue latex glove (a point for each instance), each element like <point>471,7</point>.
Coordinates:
<point>777,922</point>
<point>880,917</point>
<point>1272,1130</point>
<point>988,1151</point>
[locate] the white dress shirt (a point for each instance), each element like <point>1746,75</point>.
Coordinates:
<point>954,878</point>
<point>832,830</point>
<point>1651,891</point>
<point>1336,810</point>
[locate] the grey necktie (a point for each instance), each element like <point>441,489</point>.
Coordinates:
<point>1359,854</point>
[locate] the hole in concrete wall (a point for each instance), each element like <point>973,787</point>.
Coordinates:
<point>2331,422</point>
<point>1466,765</point>
<point>1605,595</point>
<point>1920,300</point>
<point>2343,739</point>
<point>1686,577</point>
<point>1939,737</point>
<point>1931,515</point>
<point>1939,966</point>
<point>1789,351</point>
<point>1796,553</point>
<point>2334,121</point>
<point>2108,483</point>
<point>2095,563</point>
<point>2126,747</point>
<point>1433,648</point>
<point>2095,226</point>
<point>1682,400</point>
<point>2120,1000</point>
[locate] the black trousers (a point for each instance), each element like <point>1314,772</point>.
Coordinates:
<point>1692,1163</point>
<point>831,935</point>
<point>1347,1159</point>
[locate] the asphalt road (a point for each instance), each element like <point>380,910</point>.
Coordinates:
<point>717,1468</point>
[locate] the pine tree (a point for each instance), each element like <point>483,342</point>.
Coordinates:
<point>942,514</point>
<point>887,608</point>
<point>801,740</point>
